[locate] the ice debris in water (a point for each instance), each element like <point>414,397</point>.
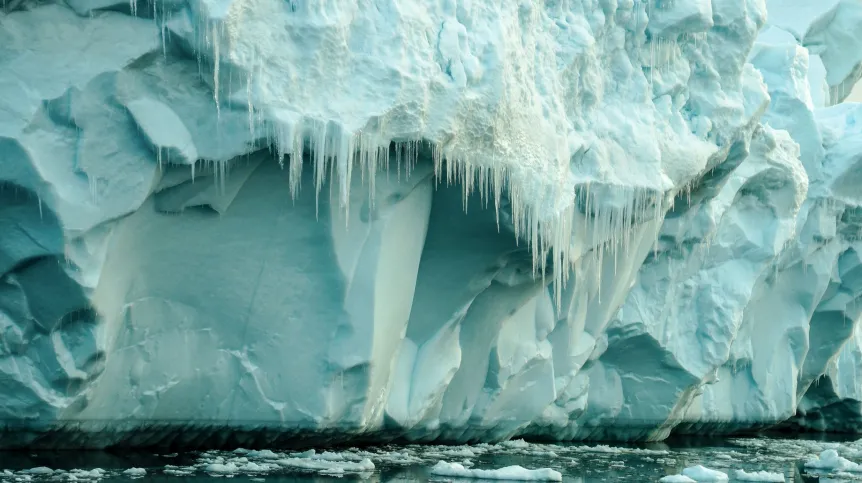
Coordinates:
<point>829,460</point>
<point>268,461</point>
<point>178,470</point>
<point>743,475</point>
<point>262,454</point>
<point>676,479</point>
<point>41,470</point>
<point>772,456</point>
<point>602,448</point>
<point>219,468</point>
<point>702,473</point>
<point>135,472</point>
<point>329,466</point>
<point>514,472</point>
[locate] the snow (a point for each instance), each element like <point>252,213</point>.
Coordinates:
<point>459,221</point>
<point>514,472</point>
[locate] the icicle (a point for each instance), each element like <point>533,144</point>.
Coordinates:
<point>437,161</point>
<point>296,158</point>
<point>344,167</point>
<point>499,175</point>
<point>248,83</point>
<point>318,143</point>
<point>163,31</point>
<point>216,63</point>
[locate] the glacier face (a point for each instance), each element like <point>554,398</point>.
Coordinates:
<point>449,220</point>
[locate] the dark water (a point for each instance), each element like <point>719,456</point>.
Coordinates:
<point>585,463</point>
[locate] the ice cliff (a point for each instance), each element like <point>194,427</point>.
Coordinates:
<point>289,221</point>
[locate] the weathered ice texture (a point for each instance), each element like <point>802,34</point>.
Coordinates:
<point>286,221</point>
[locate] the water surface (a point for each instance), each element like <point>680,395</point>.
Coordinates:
<point>581,463</point>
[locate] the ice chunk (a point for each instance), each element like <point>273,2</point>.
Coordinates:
<point>41,470</point>
<point>829,460</point>
<point>676,479</point>
<point>263,454</point>
<point>326,466</point>
<point>515,472</point>
<point>221,468</point>
<point>701,473</point>
<point>743,475</point>
<point>252,467</point>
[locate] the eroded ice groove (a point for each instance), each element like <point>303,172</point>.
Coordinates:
<point>430,220</point>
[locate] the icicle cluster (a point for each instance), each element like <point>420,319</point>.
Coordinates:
<point>336,152</point>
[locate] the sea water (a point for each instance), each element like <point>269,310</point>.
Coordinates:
<point>585,463</point>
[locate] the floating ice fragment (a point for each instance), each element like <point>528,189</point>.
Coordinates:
<point>515,443</point>
<point>462,452</point>
<point>220,468</point>
<point>95,473</point>
<point>135,472</point>
<point>743,475</point>
<point>263,454</point>
<point>829,460</point>
<point>515,472</point>
<point>40,470</point>
<point>702,473</point>
<point>677,479</point>
<point>253,467</point>
<point>328,466</point>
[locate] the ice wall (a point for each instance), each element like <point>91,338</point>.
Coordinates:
<point>256,220</point>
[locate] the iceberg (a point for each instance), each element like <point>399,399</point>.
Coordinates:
<point>279,222</point>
